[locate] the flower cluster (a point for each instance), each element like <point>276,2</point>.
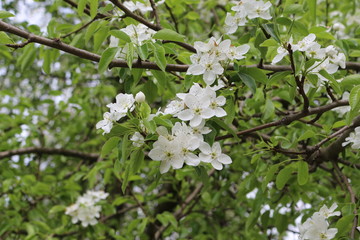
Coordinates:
<point>197,105</point>
<point>354,138</point>
<point>124,103</point>
<point>138,33</point>
<point>317,227</point>
<point>328,59</point>
<point>244,10</point>
<point>210,58</point>
<point>176,148</point>
<point>85,209</point>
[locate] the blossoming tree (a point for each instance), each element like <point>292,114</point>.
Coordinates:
<point>180,120</point>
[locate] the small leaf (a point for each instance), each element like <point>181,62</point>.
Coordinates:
<point>93,8</point>
<point>283,176</point>
<point>120,35</point>
<point>143,51</point>
<point>81,7</point>
<point>306,135</point>
<point>344,225</point>
<point>106,58</point>
<point>109,145</point>
<point>270,29</point>
<point>130,54</point>
<point>5,14</point>
<point>159,54</point>
<point>5,39</point>
<point>56,209</point>
<point>303,172</point>
<point>269,109</point>
<point>248,80</point>
<point>168,34</point>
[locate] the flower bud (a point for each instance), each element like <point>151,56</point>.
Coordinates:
<point>140,97</point>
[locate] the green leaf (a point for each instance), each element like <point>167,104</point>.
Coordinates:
<point>120,35</point>
<point>269,109</point>
<point>269,43</point>
<point>56,209</point>
<point>170,35</point>
<point>5,39</point>
<point>81,7</point>
<point>312,10</point>
<point>270,29</point>
<point>306,135</point>
<point>226,127</point>
<point>143,51</point>
<point>344,225</point>
<point>248,80</point>
<point>93,8</point>
<point>350,81</point>
<point>163,122</point>
<point>277,77</point>
<point>5,14</point>
<point>109,145</point>
<point>294,9</point>
<point>354,98</point>
<point>283,176</point>
<point>159,54</point>
<point>130,54</point>
<point>91,29</point>
<point>303,172</point>
<point>106,58</point>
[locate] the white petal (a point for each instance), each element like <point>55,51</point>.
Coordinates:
<point>186,115</point>
<point>164,167</point>
<point>225,159</point>
<point>217,165</point>
<point>205,148</point>
<point>156,154</point>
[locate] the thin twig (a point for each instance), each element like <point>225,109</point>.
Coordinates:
<point>352,197</point>
<point>19,45</point>
<point>157,19</point>
<point>79,29</point>
<point>172,17</point>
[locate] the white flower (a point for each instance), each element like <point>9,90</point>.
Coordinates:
<point>213,155</point>
<point>109,118</point>
<point>237,52</point>
<point>354,138</point>
<point>168,153</point>
<point>198,109</point>
<point>124,103</point>
<point>138,33</point>
<point>174,107</point>
<point>137,139</point>
<point>282,52</point>
<point>140,97</point>
<point>200,130</point>
<point>85,210</point>
<point>233,22</point>
<point>304,44</point>
<point>326,212</point>
<point>259,9</point>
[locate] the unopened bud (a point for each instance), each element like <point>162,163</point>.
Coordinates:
<point>140,97</point>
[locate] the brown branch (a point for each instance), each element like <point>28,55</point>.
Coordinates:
<point>289,119</point>
<point>172,17</point>
<point>19,45</point>
<point>57,44</point>
<point>49,151</point>
<point>331,152</point>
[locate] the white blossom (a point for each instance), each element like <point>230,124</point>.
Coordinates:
<point>138,33</point>
<point>137,139</point>
<point>140,97</point>
<point>353,138</point>
<point>213,155</point>
<point>341,111</point>
<point>85,209</point>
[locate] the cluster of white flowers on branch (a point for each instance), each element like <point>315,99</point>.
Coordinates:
<point>244,10</point>
<point>142,7</point>
<point>211,57</point>
<point>354,138</point>
<point>317,227</point>
<point>85,209</point>
<point>118,110</point>
<point>177,148</point>
<point>328,59</point>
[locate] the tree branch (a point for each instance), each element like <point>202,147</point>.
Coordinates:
<point>50,151</point>
<point>289,119</point>
<point>56,43</point>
